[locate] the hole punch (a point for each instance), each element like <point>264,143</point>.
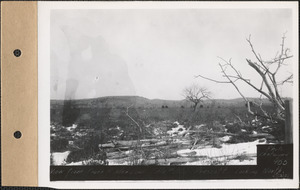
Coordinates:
<point>17,134</point>
<point>17,52</point>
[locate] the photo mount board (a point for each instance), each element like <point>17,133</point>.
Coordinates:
<point>19,96</point>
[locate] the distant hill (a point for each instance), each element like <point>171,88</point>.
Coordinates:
<point>119,101</point>
<point>141,102</point>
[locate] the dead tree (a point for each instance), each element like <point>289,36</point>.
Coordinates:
<point>268,73</point>
<point>196,94</point>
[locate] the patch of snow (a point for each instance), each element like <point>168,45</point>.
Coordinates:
<point>59,158</point>
<point>229,149</point>
<point>157,131</point>
<point>83,162</point>
<point>226,154</point>
<point>80,163</point>
<point>225,138</point>
<point>74,126</point>
<point>254,120</point>
<point>252,161</point>
<point>129,151</point>
<point>180,130</point>
<point>80,134</point>
<point>117,162</point>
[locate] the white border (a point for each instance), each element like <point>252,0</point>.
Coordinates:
<point>44,97</point>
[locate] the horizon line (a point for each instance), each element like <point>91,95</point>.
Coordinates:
<point>160,98</point>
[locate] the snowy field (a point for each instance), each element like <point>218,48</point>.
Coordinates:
<point>184,149</point>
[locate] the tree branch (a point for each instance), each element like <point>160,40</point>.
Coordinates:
<point>211,79</point>
<point>127,113</point>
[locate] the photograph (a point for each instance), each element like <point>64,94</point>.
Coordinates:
<point>168,87</point>
<point>168,92</point>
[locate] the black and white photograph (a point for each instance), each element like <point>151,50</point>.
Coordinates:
<point>178,87</point>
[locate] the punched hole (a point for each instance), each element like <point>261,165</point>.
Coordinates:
<point>17,52</point>
<point>17,134</point>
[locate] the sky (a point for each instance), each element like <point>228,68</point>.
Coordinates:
<point>156,53</point>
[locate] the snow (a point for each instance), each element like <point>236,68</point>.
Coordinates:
<point>225,138</point>
<point>228,154</point>
<point>230,149</point>
<point>157,131</point>
<point>180,130</point>
<point>75,163</point>
<point>59,158</point>
<point>74,126</point>
<point>243,162</point>
<point>80,134</point>
<point>225,153</point>
<point>84,162</point>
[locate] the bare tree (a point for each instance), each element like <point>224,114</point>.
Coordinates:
<point>196,94</point>
<point>268,73</point>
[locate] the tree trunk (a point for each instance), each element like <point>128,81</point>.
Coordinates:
<point>195,106</point>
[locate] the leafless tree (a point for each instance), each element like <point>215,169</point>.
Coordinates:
<point>196,94</point>
<point>267,71</point>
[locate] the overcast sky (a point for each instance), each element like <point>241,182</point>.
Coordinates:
<point>157,53</point>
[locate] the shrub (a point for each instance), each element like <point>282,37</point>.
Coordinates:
<point>242,137</point>
<point>233,128</point>
<point>59,145</point>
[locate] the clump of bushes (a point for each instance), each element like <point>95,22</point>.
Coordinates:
<point>242,137</point>
<point>59,145</point>
<point>233,128</point>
